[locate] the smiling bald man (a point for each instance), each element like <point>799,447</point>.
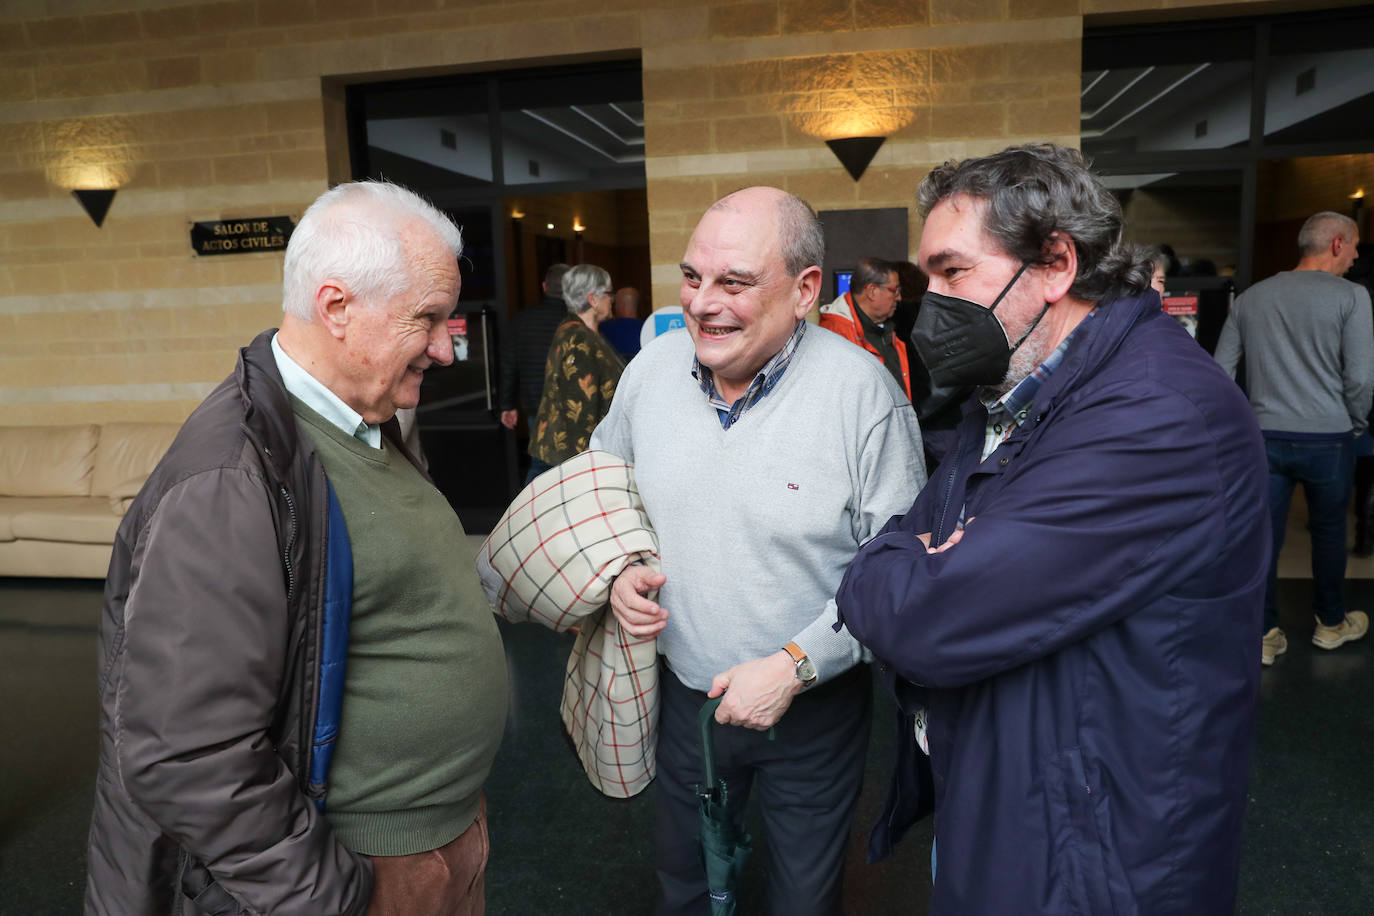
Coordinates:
<point>765,455</point>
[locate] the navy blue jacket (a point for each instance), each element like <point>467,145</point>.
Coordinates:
<point>1088,653</point>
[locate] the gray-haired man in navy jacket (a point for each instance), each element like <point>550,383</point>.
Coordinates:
<point>1070,610</point>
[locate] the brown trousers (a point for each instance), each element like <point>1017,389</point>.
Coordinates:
<point>448,881</point>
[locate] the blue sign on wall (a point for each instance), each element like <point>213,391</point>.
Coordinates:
<point>661,322</point>
<point>842,278</point>
<point>665,323</point>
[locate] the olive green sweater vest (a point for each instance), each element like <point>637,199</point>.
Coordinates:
<point>425,689</point>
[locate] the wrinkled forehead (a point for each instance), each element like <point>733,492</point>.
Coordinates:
<point>736,232</point>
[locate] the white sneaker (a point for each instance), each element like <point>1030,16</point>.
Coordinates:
<point>1353,627</point>
<point>1272,645</point>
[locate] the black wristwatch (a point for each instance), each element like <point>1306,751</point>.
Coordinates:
<point>806,672</point>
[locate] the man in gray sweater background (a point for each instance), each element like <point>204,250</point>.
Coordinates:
<point>766,452</point>
<point>1308,341</point>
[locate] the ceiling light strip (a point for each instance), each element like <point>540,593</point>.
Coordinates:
<point>637,122</point>
<point>1089,88</point>
<point>1124,89</point>
<point>1155,98</point>
<point>619,139</point>
<point>618,160</point>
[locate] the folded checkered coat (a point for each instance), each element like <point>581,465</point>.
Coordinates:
<point>551,559</point>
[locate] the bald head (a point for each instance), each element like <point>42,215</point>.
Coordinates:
<point>801,241</point>
<point>627,302</point>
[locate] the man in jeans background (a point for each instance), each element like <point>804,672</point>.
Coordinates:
<point>1308,345</point>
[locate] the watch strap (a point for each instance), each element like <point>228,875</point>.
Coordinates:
<point>800,659</point>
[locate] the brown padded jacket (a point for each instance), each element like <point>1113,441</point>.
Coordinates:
<point>209,672</point>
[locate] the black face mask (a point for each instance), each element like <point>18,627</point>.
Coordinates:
<point>962,343</point>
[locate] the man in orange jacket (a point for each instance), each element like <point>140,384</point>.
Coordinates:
<point>864,316</point>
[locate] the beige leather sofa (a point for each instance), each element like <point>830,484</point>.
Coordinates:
<point>64,489</point>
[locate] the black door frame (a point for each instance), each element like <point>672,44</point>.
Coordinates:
<point>490,195</point>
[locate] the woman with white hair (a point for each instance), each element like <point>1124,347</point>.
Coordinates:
<point>581,373</point>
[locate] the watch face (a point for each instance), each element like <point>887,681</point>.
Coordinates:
<point>806,671</point>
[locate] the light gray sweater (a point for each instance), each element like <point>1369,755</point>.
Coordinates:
<point>1308,342</point>
<point>757,523</point>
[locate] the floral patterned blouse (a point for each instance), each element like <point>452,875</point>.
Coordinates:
<point>579,382</point>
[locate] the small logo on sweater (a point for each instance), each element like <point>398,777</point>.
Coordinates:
<point>793,486</point>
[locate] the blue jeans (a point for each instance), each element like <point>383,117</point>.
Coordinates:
<point>537,467</point>
<point>1325,468</point>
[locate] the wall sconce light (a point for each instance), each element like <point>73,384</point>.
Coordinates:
<point>96,203</point>
<point>855,153</point>
<point>517,213</point>
<point>577,226</point>
<point>1356,202</point>
<point>548,225</point>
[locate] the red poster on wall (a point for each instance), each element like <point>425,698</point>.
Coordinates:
<point>1183,306</point>
<point>458,333</point>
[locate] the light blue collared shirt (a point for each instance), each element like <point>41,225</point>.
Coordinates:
<point>323,401</point>
<point>764,381</point>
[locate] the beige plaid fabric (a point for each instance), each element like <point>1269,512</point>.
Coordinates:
<point>551,559</point>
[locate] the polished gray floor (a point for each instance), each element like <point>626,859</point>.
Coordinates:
<point>560,848</point>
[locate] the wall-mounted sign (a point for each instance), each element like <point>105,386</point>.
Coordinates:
<point>458,333</point>
<point>1183,306</point>
<point>661,322</point>
<point>240,236</point>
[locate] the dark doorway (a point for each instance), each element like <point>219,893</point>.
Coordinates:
<point>482,146</point>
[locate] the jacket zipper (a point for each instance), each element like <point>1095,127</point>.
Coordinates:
<point>290,545</point>
<point>944,505</point>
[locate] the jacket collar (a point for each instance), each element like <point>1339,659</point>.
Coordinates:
<point>1093,345</point>
<point>267,416</point>
<point>1101,339</point>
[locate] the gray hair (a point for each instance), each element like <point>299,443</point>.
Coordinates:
<point>1156,258</point>
<point>1036,191</point>
<point>353,233</point>
<point>581,280</point>
<point>1321,229</point>
<point>870,270</point>
<point>801,235</point>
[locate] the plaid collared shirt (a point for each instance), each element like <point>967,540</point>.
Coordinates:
<point>1009,411</point>
<point>764,382</point>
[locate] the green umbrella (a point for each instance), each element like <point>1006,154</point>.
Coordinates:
<point>725,846</point>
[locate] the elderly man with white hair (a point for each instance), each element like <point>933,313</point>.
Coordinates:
<point>301,698</point>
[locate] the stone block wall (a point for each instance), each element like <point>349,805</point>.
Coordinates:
<point>215,109</point>
<point>750,91</point>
